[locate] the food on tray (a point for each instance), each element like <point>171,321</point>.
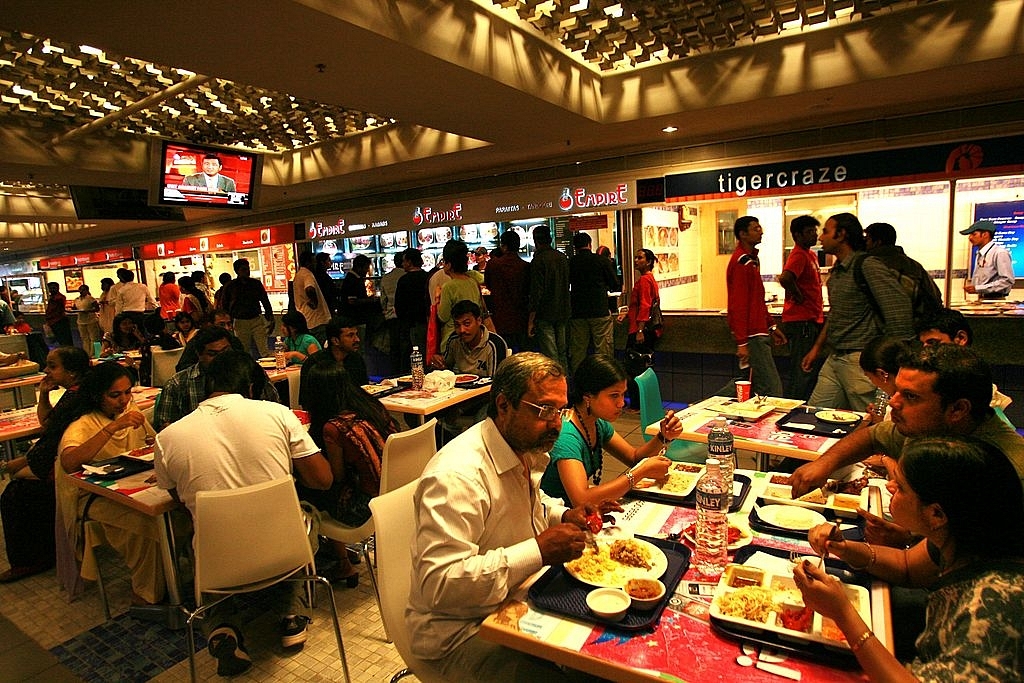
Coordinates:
<point>736,534</point>
<point>831,631</point>
<point>679,482</point>
<point>837,416</point>
<point>842,500</point>
<point>465,379</point>
<point>780,479</point>
<point>687,467</point>
<point>643,589</point>
<point>752,603</point>
<point>854,486</point>
<point>816,496</point>
<point>630,553</point>
<point>139,452</point>
<point>797,619</point>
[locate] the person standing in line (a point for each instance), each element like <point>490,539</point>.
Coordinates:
<point>992,277</point>
<point>106,304</point>
<point>412,306</point>
<point>591,277</point>
<point>388,289</point>
<point>803,311</point>
<point>642,337</point>
<point>852,320</point>
<point>354,302</point>
<point>753,328</point>
<point>480,258</point>
<point>134,298</point>
<point>309,300</point>
<point>88,322</point>
<point>508,279</point>
<point>549,297</point>
<point>122,277</point>
<point>613,300</point>
<point>193,301</point>
<point>202,283</point>
<point>56,315</point>
<point>243,298</point>
<point>461,287</point>
<point>322,272</point>
<point>218,296</point>
<point>169,296</point>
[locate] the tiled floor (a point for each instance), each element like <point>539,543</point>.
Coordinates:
<point>37,625</point>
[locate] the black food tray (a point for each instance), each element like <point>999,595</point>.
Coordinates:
<point>806,415</point>
<point>809,650</point>
<point>691,499</point>
<point>125,468</point>
<point>758,524</point>
<point>556,591</point>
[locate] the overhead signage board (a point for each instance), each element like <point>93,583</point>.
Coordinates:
<point>229,241</point>
<point>112,255</point>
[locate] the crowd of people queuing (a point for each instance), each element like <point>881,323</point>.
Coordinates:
<point>510,493</point>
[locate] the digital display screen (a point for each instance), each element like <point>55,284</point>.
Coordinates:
<point>207,177</point>
<point>1009,221</point>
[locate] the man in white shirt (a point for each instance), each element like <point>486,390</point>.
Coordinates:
<point>388,287</point>
<point>483,526</point>
<point>231,441</point>
<point>992,276</point>
<point>309,300</point>
<point>132,297</point>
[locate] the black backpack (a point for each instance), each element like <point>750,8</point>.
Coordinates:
<point>925,297</point>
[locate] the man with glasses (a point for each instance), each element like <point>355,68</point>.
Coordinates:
<point>484,525</point>
<point>186,389</point>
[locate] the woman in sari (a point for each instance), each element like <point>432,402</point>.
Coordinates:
<point>111,425</point>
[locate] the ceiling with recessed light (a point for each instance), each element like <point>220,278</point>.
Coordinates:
<point>370,102</point>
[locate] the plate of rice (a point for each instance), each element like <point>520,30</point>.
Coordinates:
<point>614,563</point>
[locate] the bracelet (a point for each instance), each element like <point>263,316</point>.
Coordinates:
<point>871,560</point>
<point>631,478</point>
<point>662,439</point>
<point>859,642</point>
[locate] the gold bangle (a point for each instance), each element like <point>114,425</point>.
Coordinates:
<point>859,642</point>
<point>631,478</point>
<point>871,559</point>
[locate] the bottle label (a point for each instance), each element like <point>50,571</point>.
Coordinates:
<point>714,502</point>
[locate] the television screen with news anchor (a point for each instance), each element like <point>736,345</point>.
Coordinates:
<point>207,177</point>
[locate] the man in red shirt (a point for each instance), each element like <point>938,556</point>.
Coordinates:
<point>56,315</point>
<point>752,326</point>
<point>802,314</point>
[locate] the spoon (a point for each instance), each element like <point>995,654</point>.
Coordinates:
<point>784,671</point>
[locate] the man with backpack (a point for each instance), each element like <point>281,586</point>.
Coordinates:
<point>925,297</point>
<point>856,315</point>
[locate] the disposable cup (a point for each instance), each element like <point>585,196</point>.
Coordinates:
<point>742,390</point>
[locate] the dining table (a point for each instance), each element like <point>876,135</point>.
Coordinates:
<point>15,384</point>
<point>140,493</point>
<point>421,402</point>
<point>24,423</point>
<point>682,644</point>
<point>765,435</point>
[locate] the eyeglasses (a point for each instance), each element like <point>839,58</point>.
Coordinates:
<point>549,412</point>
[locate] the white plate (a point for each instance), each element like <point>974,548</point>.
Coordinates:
<point>843,417</point>
<point>746,538</point>
<point>466,378</point>
<point>679,483</point>
<point>144,454</point>
<point>790,517</point>
<point>623,573</point>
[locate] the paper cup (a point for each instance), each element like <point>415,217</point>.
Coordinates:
<point>742,390</point>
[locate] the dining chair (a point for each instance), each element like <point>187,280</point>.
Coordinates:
<point>394,558</point>
<point>652,410</point>
<point>163,364</point>
<point>405,455</point>
<point>276,549</point>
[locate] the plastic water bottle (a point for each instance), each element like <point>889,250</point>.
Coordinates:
<point>279,350</point>
<point>712,533</point>
<point>722,449</point>
<point>881,402</point>
<point>416,362</point>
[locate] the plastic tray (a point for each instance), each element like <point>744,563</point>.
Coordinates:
<point>758,524</point>
<point>690,500</point>
<point>804,421</point>
<point>556,591</point>
<point>839,504</point>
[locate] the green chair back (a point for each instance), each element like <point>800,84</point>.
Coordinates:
<point>652,410</point>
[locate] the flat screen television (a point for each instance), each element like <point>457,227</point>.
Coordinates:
<point>1009,220</point>
<point>205,177</point>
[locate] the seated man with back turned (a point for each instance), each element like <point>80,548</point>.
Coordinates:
<point>232,441</point>
<point>483,526</point>
<point>342,347</point>
<point>183,392</point>
<point>940,390</point>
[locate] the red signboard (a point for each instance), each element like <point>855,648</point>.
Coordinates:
<point>229,241</point>
<point>111,255</point>
<point>599,222</point>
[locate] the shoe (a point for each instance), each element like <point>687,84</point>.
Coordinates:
<point>350,580</point>
<point>228,648</point>
<point>17,573</point>
<point>294,630</point>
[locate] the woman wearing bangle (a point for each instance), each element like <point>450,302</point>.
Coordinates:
<point>574,473</point>
<point>110,425</point>
<point>972,560</point>
<point>299,343</point>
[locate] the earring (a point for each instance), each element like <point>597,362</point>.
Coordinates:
<point>588,407</point>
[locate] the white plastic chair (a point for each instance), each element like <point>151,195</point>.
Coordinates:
<point>163,364</point>
<point>233,555</point>
<point>394,560</point>
<point>405,455</point>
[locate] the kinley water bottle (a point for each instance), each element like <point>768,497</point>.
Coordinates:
<point>416,362</point>
<point>712,532</point>
<point>722,449</point>
<point>279,358</point>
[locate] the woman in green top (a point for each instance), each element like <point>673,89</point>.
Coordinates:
<point>299,343</point>
<point>598,396</point>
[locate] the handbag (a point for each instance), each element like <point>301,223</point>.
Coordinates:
<point>656,322</point>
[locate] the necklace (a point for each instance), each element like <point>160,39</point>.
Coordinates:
<point>595,449</point>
